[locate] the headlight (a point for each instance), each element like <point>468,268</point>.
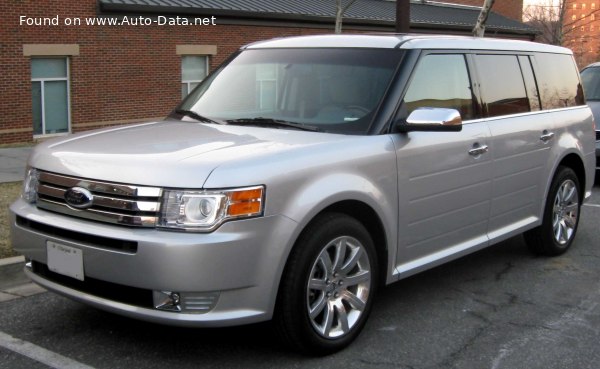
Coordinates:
<point>206,210</point>
<point>30,185</point>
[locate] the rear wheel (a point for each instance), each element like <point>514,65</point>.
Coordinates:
<point>328,285</point>
<point>561,216</point>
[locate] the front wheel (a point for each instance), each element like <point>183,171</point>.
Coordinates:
<point>328,285</point>
<point>561,216</point>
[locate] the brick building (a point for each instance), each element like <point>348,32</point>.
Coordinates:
<point>63,71</point>
<point>509,8</point>
<point>581,30</point>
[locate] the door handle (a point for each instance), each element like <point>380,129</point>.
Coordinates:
<point>546,136</point>
<point>478,150</point>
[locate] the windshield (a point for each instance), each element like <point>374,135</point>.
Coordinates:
<point>332,90</point>
<point>590,77</point>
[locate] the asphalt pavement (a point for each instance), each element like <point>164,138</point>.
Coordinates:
<point>13,161</point>
<point>13,283</point>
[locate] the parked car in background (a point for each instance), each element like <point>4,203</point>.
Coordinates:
<point>590,77</point>
<point>307,172</point>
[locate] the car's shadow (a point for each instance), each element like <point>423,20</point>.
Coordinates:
<point>123,337</point>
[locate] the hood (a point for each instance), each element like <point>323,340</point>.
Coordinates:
<point>166,154</point>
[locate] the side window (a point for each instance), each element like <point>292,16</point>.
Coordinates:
<point>558,81</point>
<point>193,70</point>
<point>50,95</point>
<point>502,85</point>
<point>441,81</point>
<point>530,83</point>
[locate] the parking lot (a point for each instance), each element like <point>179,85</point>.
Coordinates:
<point>499,308</point>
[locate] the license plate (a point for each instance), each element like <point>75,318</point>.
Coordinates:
<point>65,260</point>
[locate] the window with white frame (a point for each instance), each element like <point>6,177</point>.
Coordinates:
<point>266,86</point>
<point>50,95</point>
<point>193,70</point>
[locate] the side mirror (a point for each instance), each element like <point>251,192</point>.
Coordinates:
<point>432,119</point>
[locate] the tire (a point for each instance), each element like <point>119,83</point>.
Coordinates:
<point>561,216</point>
<point>328,286</point>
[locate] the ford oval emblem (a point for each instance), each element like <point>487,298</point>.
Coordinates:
<point>79,198</point>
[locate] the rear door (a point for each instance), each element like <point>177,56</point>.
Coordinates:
<point>521,140</point>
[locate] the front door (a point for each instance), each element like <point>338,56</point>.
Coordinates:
<point>444,178</point>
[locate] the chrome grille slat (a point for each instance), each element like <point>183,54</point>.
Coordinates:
<point>145,206</point>
<point>98,215</point>
<point>113,203</point>
<point>46,190</point>
<point>100,187</point>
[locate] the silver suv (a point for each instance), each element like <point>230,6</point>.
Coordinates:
<point>307,172</point>
<point>590,77</point>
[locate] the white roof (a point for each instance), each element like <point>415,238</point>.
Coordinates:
<point>391,41</point>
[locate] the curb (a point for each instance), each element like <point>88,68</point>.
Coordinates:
<point>11,273</point>
<point>13,260</point>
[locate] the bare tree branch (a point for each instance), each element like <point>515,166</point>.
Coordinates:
<point>340,8</point>
<point>479,29</point>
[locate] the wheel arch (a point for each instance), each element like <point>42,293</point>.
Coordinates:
<point>367,216</point>
<point>372,222</point>
<point>574,162</point>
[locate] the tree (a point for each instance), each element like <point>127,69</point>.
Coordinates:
<point>479,29</point>
<point>340,8</point>
<point>558,25</point>
<point>548,17</point>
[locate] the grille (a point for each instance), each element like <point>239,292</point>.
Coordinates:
<point>113,203</point>
<point>72,236</point>
<point>112,291</point>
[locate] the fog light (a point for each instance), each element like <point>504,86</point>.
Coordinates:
<point>185,302</point>
<point>166,300</point>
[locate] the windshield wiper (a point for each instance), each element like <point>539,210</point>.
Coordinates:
<point>198,117</point>
<point>260,121</point>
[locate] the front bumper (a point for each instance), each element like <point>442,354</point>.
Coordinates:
<point>241,263</point>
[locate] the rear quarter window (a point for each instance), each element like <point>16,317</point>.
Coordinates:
<point>558,81</point>
<point>590,77</point>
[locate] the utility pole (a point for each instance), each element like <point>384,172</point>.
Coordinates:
<point>402,16</point>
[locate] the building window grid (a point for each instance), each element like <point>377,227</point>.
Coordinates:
<point>583,6</point>
<point>190,84</point>
<point>42,82</point>
<point>267,76</point>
